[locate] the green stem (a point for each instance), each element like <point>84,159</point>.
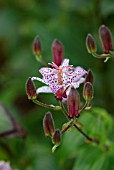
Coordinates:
<point>40,59</point>
<point>67,127</point>
<point>63,110</point>
<point>83,133</point>
<point>46,105</point>
<point>85,105</point>
<point>111,52</point>
<point>102,55</point>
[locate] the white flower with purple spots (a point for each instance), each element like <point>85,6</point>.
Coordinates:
<point>4,165</point>
<point>59,78</point>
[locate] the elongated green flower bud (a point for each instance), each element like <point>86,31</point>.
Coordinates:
<point>56,138</point>
<point>88,91</point>
<point>89,77</point>
<point>73,103</point>
<point>48,124</point>
<point>90,44</point>
<point>106,39</point>
<point>57,52</point>
<point>36,46</point>
<point>31,89</point>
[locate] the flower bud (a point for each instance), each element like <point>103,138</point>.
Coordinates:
<point>90,44</point>
<point>36,46</point>
<point>89,77</point>
<point>31,89</point>
<point>73,103</point>
<point>88,91</point>
<point>106,39</point>
<point>60,93</point>
<point>48,124</point>
<point>57,52</point>
<point>56,138</point>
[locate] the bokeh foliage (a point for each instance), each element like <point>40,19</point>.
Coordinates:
<point>70,21</point>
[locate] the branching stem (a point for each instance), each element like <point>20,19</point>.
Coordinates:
<point>46,105</point>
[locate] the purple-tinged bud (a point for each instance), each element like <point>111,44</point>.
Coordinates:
<point>31,89</point>
<point>88,91</point>
<point>56,138</point>
<point>36,46</point>
<point>60,93</point>
<point>106,38</point>
<point>57,52</point>
<point>48,124</point>
<point>90,44</point>
<point>89,77</point>
<point>73,103</point>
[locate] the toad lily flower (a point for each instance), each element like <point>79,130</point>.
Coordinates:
<point>58,79</point>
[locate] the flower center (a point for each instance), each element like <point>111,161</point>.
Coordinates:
<point>60,79</point>
<point>60,72</point>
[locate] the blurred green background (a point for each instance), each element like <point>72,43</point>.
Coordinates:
<point>69,21</point>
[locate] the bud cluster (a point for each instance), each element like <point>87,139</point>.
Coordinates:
<point>106,41</point>
<point>73,104</point>
<point>57,51</point>
<point>49,129</point>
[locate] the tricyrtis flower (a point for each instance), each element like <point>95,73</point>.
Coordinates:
<point>59,78</point>
<point>4,165</point>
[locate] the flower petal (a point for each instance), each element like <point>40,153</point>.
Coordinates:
<point>38,79</point>
<point>65,62</point>
<point>44,89</point>
<point>46,70</point>
<point>49,76</point>
<point>54,88</point>
<point>79,70</point>
<point>77,84</point>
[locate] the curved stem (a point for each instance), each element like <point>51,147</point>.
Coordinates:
<point>46,105</point>
<point>111,52</point>
<point>40,59</point>
<point>102,55</point>
<point>63,110</point>
<point>85,105</point>
<point>83,133</point>
<point>67,127</point>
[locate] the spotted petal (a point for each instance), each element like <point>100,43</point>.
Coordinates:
<point>80,71</point>
<point>49,76</point>
<point>46,70</point>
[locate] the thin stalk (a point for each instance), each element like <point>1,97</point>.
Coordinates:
<point>101,55</point>
<point>63,110</point>
<point>46,105</point>
<point>40,59</point>
<point>85,105</point>
<point>66,128</point>
<point>111,52</point>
